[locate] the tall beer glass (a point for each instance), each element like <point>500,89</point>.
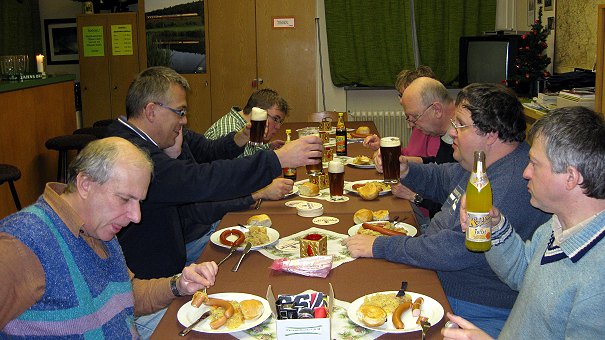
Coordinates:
<point>312,131</point>
<point>390,150</point>
<point>336,174</point>
<point>258,118</point>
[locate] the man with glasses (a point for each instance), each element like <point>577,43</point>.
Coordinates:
<point>488,117</point>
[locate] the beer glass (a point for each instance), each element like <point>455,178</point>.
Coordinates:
<point>390,150</point>
<point>312,131</point>
<point>336,175</point>
<point>258,118</point>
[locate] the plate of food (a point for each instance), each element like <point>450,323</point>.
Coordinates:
<point>247,311</point>
<point>353,186</point>
<point>259,236</point>
<point>385,312</point>
<point>293,191</point>
<point>383,228</point>
<point>363,162</point>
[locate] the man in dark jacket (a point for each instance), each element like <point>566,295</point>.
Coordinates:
<point>156,105</point>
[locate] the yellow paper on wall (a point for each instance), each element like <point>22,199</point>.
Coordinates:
<point>93,41</point>
<point>121,40</point>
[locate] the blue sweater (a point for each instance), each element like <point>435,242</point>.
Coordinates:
<point>562,294</point>
<point>464,275</point>
<point>85,296</point>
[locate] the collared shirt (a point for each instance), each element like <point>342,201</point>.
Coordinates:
<point>562,235</point>
<point>141,133</point>
<point>232,121</point>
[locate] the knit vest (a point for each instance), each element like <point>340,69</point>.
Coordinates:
<point>85,297</point>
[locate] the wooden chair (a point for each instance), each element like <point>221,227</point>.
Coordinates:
<point>319,116</point>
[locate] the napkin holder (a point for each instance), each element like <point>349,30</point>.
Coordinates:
<point>313,247</point>
<point>302,329</point>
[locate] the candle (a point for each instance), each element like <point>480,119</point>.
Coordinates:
<point>40,63</point>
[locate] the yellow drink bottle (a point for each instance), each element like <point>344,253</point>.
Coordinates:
<point>341,136</point>
<point>289,173</point>
<point>478,205</point>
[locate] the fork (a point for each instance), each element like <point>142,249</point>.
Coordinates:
<point>231,251</point>
<point>425,327</point>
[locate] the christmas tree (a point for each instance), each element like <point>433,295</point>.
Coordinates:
<point>531,61</point>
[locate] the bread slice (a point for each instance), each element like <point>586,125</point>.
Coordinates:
<point>362,215</point>
<point>262,220</point>
<point>251,309</point>
<point>381,215</point>
<point>309,189</point>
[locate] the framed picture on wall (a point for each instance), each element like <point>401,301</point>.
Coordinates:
<point>531,10</point>
<point>61,37</point>
<point>548,5</point>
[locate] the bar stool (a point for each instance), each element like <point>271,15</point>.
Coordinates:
<point>98,131</point>
<point>64,144</point>
<point>10,173</point>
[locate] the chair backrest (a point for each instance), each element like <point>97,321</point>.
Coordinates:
<point>319,116</point>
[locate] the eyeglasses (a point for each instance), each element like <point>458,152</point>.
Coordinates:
<point>179,113</point>
<point>459,126</point>
<point>399,94</point>
<point>276,119</point>
<point>409,118</point>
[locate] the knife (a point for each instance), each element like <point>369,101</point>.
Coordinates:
<point>246,250</point>
<point>188,329</point>
<point>231,251</point>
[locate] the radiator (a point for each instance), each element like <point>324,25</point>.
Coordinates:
<point>388,123</point>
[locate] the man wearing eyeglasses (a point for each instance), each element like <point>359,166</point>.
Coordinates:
<point>488,117</point>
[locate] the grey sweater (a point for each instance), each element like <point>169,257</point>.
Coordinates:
<point>464,275</point>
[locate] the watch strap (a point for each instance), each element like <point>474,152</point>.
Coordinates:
<point>173,287</point>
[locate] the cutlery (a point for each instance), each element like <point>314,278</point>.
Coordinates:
<point>258,203</point>
<point>246,250</point>
<point>188,329</point>
<point>425,327</point>
<point>231,251</point>
<point>243,226</point>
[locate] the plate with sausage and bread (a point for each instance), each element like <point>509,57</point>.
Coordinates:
<point>383,228</point>
<point>385,312</point>
<point>259,236</point>
<point>230,312</point>
<point>353,187</point>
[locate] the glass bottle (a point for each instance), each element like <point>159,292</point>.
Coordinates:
<point>341,136</point>
<point>289,173</point>
<point>478,205</point>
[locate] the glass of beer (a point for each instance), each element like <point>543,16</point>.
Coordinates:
<point>390,150</point>
<point>312,131</point>
<point>258,118</point>
<point>336,175</point>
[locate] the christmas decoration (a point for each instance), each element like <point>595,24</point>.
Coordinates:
<point>531,61</point>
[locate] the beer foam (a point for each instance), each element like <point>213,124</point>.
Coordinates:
<point>390,141</point>
<point>336,167</point>
<point>258,114</point>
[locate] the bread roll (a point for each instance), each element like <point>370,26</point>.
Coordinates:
<point>309,189</point>
<point>251,309</point>
<point>363,130</point>
<point>380,215</point>
<point>262,220</point>
<point>372,316</point>
<point>362,215</point>
<point>369,191</point>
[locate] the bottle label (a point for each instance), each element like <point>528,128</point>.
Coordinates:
<point>289,171</point>
<point>478,180</point>
<point>479,227</point>
<point>341,145</point>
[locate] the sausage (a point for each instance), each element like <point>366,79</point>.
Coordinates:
<point>240,237</point>
<point>198,298</point>
<point>384,231</point>
<point>416,306</point>
<point>398,312</point>
<point>226,305</point>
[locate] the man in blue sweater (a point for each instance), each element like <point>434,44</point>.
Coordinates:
<point>489,117</point>
<point>560,273</point>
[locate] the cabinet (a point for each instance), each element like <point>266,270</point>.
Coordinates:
<point>248,50</point>
<point>600,81</point>
<point>109,61</point>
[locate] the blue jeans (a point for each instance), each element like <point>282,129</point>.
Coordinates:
<point>489,319</point>
<point>146,324</point>
<point>194,248</point>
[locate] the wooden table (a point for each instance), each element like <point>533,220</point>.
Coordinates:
<point>350,280</point>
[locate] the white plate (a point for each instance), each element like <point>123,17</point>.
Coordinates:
<point>361,166</point>
<point>412,231</point>
<point>349,186</point>
<point>294,191</point>
<point>216,237</point>
<point>187,314</point>
<point>430,308</point>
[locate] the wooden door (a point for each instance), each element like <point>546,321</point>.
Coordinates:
<point>287,56</point>
<point>231,54</point>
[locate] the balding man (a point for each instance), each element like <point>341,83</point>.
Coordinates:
<point>62,272</point>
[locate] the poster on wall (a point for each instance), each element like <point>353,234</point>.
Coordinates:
<point>548,5</point>
<point>531,10</point>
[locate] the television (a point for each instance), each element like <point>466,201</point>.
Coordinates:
<point>487,58</point>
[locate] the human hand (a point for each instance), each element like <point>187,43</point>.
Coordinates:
<point>360,245</point>
<point>278,188</point>
<point>276,144</point>
<point>243,136</point>
<point>494,214</point>
<point>402,191</point>
<point>372,142</point>
<point>197,276</point>
<point>467,330</point>
<point>377,158</point>
<point>175,150</point>
<point>303,151</point>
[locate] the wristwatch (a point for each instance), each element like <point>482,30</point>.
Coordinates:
<point>417,199</point>
<point>173,286</point>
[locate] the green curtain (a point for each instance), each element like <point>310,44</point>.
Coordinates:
<point>369,42</point>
